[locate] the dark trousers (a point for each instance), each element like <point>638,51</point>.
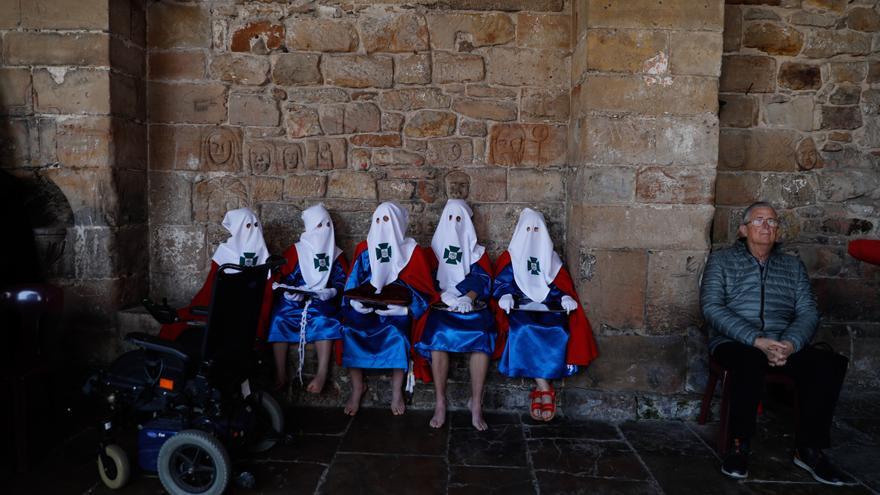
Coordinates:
<point>817,373</point>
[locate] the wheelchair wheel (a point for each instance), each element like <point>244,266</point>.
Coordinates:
<point>269,423</point>
<point>116,471</point>
<point>194,462</point>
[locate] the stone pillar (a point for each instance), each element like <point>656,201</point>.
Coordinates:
<point>644,147</point>
<point>72,82</point>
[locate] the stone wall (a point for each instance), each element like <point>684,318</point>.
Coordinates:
<point>643,141</point>
<point>800,128</point>
<point>73,135</point>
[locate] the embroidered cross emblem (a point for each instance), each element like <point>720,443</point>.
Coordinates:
<point>452,255</point>
<point>383,252</point>
<point>322,262</point>
<point>248,259</point>
<point>533,266</point>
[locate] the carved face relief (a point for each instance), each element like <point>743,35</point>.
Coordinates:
<point>458,185</point>
<point>508,146</point>
<point>291,156</point>
<point>806,155</point>
<point>261,158</point>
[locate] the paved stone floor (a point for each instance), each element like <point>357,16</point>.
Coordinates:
<point>378,453</point>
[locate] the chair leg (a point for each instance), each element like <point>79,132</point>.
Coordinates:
<point>20,425</point>
<point>706,403</point>
<point>725,413</point>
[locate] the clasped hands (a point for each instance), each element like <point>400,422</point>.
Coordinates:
<point>322,294</point>
<point>777,351</point>
<point>392,310</point>
<point>457,303</point>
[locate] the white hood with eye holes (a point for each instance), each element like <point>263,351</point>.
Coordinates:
<point>245,246</point>
<point>455,244</point>
<point>316,248</point>
<point>535,264</point>
<point>387,244</point>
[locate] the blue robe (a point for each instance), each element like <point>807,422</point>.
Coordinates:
<point>375,341</point>
<point>462,332</point>
<point>536,342</point>
<point>322,318</point>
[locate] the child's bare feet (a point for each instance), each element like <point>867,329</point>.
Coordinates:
<point>317,384</point>
<point>354,401</point>
<point>398,406</point>
<point>439,414</point>
<point>477,415</point>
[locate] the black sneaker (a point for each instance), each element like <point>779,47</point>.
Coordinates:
<point>736,463</point>
<point>814,462</point>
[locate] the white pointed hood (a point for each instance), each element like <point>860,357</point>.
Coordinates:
<point>317,248</point>
<point>387,244</point>
<point>455,244</point>
<point>535,264</point>
<point>245,246</point>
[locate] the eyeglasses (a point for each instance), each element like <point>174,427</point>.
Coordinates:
<point>757,222</point>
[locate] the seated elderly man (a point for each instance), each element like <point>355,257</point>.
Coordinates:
<point>761,313</point>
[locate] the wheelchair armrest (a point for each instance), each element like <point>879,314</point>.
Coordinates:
<point>154,343</point>
<point>199,310</point>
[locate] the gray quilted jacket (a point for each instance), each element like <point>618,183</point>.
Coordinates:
<point>741,302</point>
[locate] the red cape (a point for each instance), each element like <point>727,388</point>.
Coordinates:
<point>581,347</point>
<point>416,274</point>
<point>867,250</point>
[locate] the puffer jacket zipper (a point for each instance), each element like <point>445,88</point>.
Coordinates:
<point>762,273</point>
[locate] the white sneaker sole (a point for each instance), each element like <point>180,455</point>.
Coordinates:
<point>801,464</point>
<point>735,475</point>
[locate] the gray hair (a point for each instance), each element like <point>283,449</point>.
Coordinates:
<point>760,204</point>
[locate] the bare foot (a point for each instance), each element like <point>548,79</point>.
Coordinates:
<point>317,384</point>
<point>439,414</point>
<point>398,406</point>
<point>354,401</point>
<point>548,413</point>
<point>477,416</point>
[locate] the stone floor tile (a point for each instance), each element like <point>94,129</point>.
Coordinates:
<point>586,458</point>
<point>140,484</point>
<point>863,405</point>
<point>282,478</point>
<point>691,475</point>
<point>385,474</point>
<point>862,462</point>
<point>462,419</point>
<point>502,445</point>
<point>378,431</point>
<point>468,480</point>
<point>664,437</point>
<point>761,488</point>
<point>568,428</point>
<point>860,430</point>
<point>308,448</point>
<point>320,420</point>
<point>569,484</point>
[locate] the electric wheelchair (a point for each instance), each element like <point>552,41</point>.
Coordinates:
<point>193,400</point>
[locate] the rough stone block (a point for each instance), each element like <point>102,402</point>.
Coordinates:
<point>406,32</point>
<point>301,121</point>
<point>253,110</point>
<point>259,37</point>
<point>602,185</point>
<point>351,184</point>
<point>10,15</point>
<point>826,5</point>
<point>412,69</point>
<point>485,109</point>
<point>430,123</point>
<point>390,190</point>
<point>841,117</point>
<point>535,185</point>
<point>824,43</point>
<point>527,144</point>
<point>264,189</point>
<point>385,158</point>
<point>550,31</point>
<point>476,30</point>
<point>477,184</point>
<point>192,103</point>
<point>177,65</point>
<point>170,196</point>
<point>494,223</point>
<point>773,39</point>
<point>61,14</point>
<point>675,14</point>
<point>296,69</point>
<point>695,53</point>
<point>626,366</point>
<point>612,285</point>
<point>413,99</point>
<point>377,140</point>
<point>457,67</point>
<point>848,72</point>
<point>392,122</point>
<point>647,227</point>
<point>358,71</point>
<point>737,189</point>
<point>72,91</point>
<point>526,67</point>
<point>674,185</point>
<point>15,143</point>
<point>15,91</point>
<point>174,25</point>
<point>472,128</point>
<point>789,190</point>
<point>321,35</point>
<point>738,111</point>
<point>732,28</point>
<point>684,95</point>
<point>177,248</point>
<point>863,19</point>
<point>758,149</point>
<point>304,186</point>
<point>794,75</point>
<point>747,73</point>
<point>449,152</point>
<point>839,299</point>
<point>545,104</point>
<point>213,197</point>
<point>611,50</point>
<point>796,113</point>
<point>249,70</point>
<point>42,48</point>
<point>85,142</point>
<point>350,118</point>
<point>673,291</point>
